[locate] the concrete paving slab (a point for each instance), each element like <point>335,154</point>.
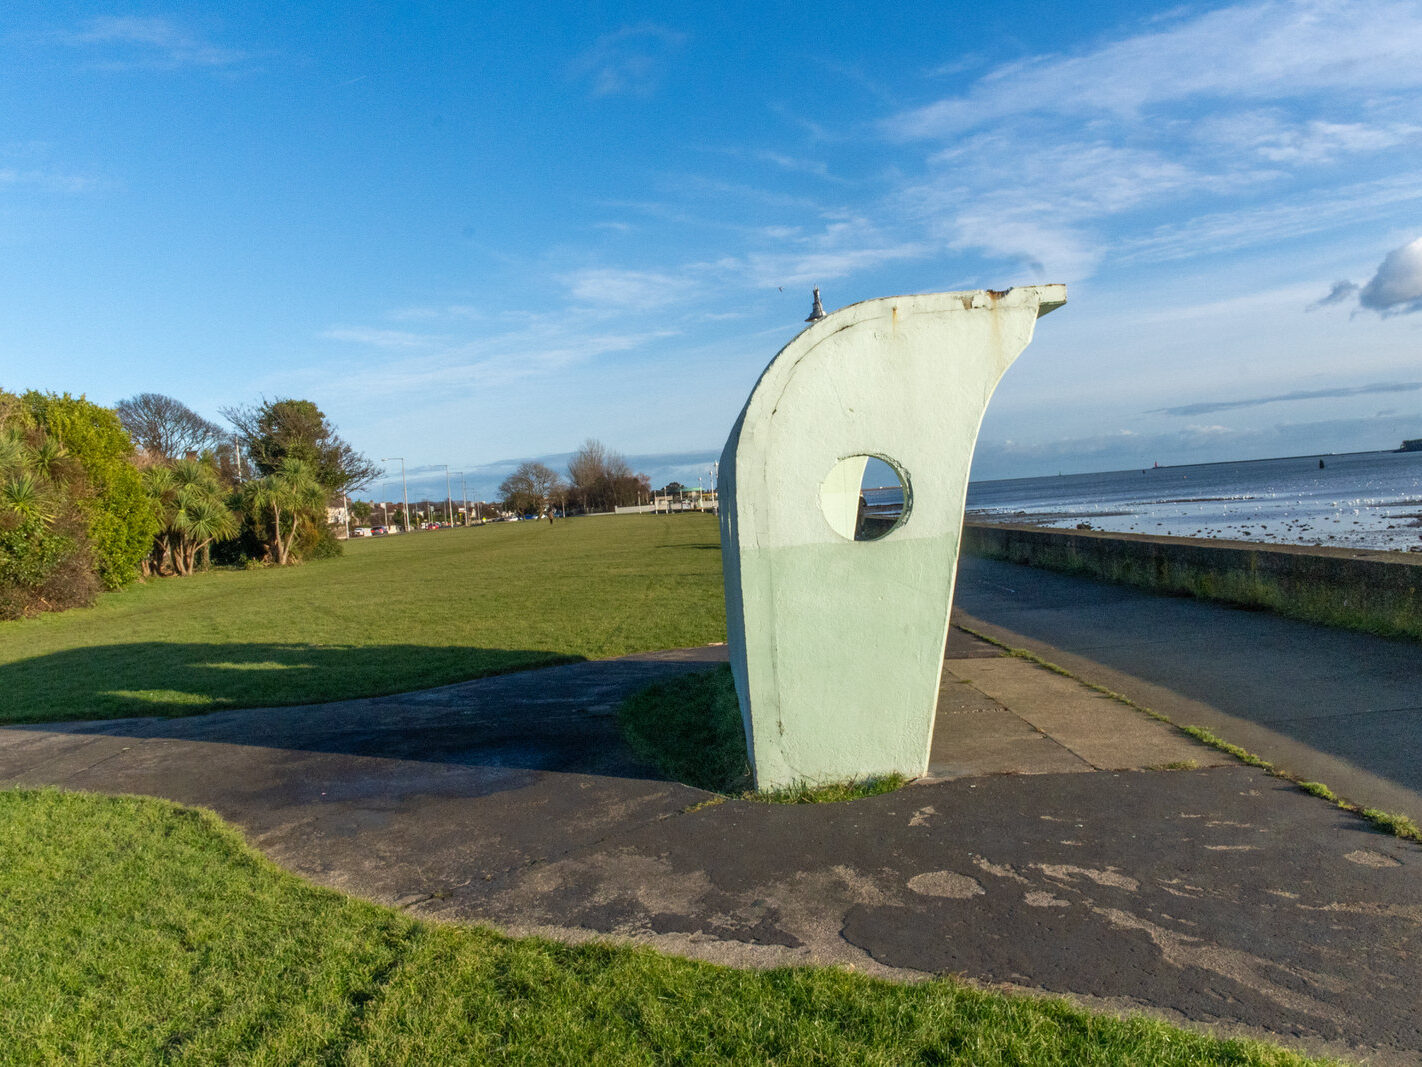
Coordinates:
<point>975,735</point>
<point>1103,732</point>
<point>1269,684</point>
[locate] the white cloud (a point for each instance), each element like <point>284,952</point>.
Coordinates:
<point>1272,136</point>
<point>380,338</point>
<point>446,311</point>
<point>134,42</point>
<point>435,368</point>
<point>43,179</point>
<point>629,62</point>
<point>1272,50</point>
<point>1062,162</point>
<point>611,288</point>
<point>1216,233</point>
<point>1396,287</point>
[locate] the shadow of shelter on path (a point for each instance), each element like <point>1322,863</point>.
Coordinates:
<point>559,718</point>
<point>190,678</point>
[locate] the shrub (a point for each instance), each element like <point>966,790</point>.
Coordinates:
<point>46,560</point>
<point>119,519</point>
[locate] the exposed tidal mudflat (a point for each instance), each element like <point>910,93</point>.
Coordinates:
<point>1368,500</point>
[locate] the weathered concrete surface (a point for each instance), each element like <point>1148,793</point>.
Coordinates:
<point>1330,705</point>
<point>836,644</point>
<point>1219,896</point>
<point>1103,734</point>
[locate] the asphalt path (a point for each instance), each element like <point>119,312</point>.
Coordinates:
<point>1220,897</point>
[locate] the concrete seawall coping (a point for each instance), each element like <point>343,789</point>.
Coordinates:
<point>1380,592</point>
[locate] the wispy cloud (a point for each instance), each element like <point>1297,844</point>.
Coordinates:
<point>544,345</point>
<point>47,180</point>
<point>128,42</point>
<point>1060,162</point>
<point>630,62</point>
<point>1340,292</point>
<point>612,288</point>
<point>366,335</point>
<point>1210,407</point>
<point>1304,212</point>
<point>1273,50</point>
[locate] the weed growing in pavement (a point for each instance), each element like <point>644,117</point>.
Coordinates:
<point>690,729</point>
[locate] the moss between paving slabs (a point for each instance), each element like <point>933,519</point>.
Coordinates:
<point>690,729</point>
<point>137,931</point>
<point>1388,822</point>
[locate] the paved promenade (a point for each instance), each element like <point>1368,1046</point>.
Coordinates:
<point>1329,705</point>
<point>1211,894</point>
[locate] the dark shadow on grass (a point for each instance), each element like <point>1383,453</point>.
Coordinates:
<point>514,719</point>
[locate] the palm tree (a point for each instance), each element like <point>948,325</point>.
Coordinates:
<point>292,494</point>
<point>192,512</point>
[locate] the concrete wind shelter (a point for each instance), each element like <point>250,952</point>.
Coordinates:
<point>836,623</point>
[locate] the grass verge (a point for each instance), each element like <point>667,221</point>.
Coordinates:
<point>391,615</point>
<point>690,729</point>
<point>137,931</point>
<point>1387,822</point>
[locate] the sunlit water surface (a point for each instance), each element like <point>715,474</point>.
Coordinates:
<point>1359,500</point>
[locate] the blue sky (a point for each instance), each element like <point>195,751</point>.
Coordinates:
<point>475,233</point>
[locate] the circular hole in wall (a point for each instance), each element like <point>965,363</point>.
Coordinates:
<point>865,497</point>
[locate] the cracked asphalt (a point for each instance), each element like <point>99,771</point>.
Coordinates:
<point>1036,855</point>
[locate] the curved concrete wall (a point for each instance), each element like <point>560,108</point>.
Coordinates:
<point>837,644</point>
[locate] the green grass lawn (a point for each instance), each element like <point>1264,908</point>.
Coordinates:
<point>393,614</point>
<point>136,931</point>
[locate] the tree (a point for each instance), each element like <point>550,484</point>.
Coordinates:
<point>529,489</point>
<point>191,504</point>
<point>119,517</point>
<point>276,430</point>
<point>361,510</point>
<point>166,428</point>
<point>602,479</point>
<point>291,494</point>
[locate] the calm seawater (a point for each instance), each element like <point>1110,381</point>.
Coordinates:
<point>1359,500</point>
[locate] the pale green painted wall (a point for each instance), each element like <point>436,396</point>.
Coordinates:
<point>837,645</point>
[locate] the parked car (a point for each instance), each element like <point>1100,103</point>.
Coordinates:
<point>376,530</point>
<point>360,531</point>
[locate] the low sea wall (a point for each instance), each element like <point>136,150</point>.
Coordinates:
<point>1380,592</point>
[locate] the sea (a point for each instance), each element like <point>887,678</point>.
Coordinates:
<point>1370,500</point>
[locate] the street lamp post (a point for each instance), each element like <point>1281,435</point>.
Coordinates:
<point>405,486</point>
<point>464,492</point>
<point>448,496</point>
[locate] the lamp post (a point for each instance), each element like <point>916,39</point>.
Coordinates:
<point>464,492</point>
<point>448,496</point>
<point>405,486</point>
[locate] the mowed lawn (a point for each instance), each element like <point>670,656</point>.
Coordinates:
<point>138,932</point>
<point>392,614</point>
